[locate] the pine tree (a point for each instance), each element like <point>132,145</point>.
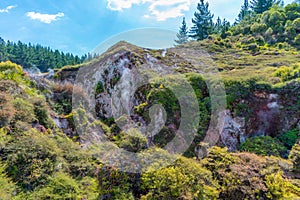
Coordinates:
<point>260,6</point>
<point>245,11</point>
<point>2,50</point>
<point>225,28</point>
<point>225,25</point>
<point>38,56</point>
<point>281,3</point>
<point>203,25</point>
<point>182,35</point>
<point>218,26</point>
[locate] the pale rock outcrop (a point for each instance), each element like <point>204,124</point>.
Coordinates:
<point>231,130</point>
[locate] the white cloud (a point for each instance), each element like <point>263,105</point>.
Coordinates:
<point>119,5</point>
<point>45,18</point>
<point>160,9</point>
<point>147,16</point>
<point>6,10</point>
<point>165,9</point>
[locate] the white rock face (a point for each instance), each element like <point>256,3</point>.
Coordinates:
<point>123,93</point>
<point>164,53</point>
<point>273,105</point>
<point>64,124</point>
<point>158,118</point>
<point>33,71</point>
<point>121,79</point>
<point>231,132</point>
<point>50,73</point>
<point>123,72</point>
<point>227,132</point>
<point>273,97</point>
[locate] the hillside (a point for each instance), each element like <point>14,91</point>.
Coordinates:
<point>212,119</point>
<point>83,174</point>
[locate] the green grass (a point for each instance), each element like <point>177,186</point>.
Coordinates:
<point>234,63</point>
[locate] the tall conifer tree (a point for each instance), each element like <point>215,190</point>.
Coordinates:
<point>182,35</point>
<point>203,25</point>
<point>218,26</point>
<point>245,11</point>
<point>260,6</point>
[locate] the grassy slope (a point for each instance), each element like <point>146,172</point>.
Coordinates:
<point>235,63</point>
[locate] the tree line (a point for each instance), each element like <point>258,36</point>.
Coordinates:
<point>43,58</point>
<point>203,24</point>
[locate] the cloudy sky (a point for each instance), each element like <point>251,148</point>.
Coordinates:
<point>79,26</point>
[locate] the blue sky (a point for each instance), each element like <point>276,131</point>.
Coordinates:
<point>79,26</point>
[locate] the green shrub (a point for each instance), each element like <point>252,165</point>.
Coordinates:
<point>185,179</point>
<point>99,88</point>
<point>217,159</point>
<point>252,47</point>
<point>281,45</point>
<point>288,73</point>
<point>274,19</point>
<point>166,98</point>
<point>77,163</point>
<point>4,138</point>
<point>284,73</point>
<point>89,188</point>
<point>30,159</point>
<point>248,40</point>
<point>114,183</point>
<point>242,109</point>
<point>260,40</point>
<point>226,34</point>
<point>249,176</point>
<point>12,67</point>
<point>7,188</point>
<point>279,188</point>
<point>64,106</point>
<point>24,110</point>
<point>133,141</point>
<point>289,138</point>
<point>296,24</point>
<point>7,110</point>
<point>295,157</point>
<point>246,30</point>
<point>297,39</point>
<point>236,91</point>
<point>292,11</point>
<point>62,97</point>
<point>60,186</point>
<point>12,71</point>
<point>229,33</point>
<point>269,32</point>
<point>41,112</point>
<point>264,145</point>
<point>290,32</point>
<point>258,28</point>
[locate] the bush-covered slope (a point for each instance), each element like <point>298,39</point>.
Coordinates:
<point>39,162</point>
<point>257,152</point>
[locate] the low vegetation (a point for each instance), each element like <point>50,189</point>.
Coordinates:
<point>258,60</point>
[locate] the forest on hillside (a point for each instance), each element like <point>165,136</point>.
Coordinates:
<point>54,147</point>
<point>267,20</point>
<point>37,56</point>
